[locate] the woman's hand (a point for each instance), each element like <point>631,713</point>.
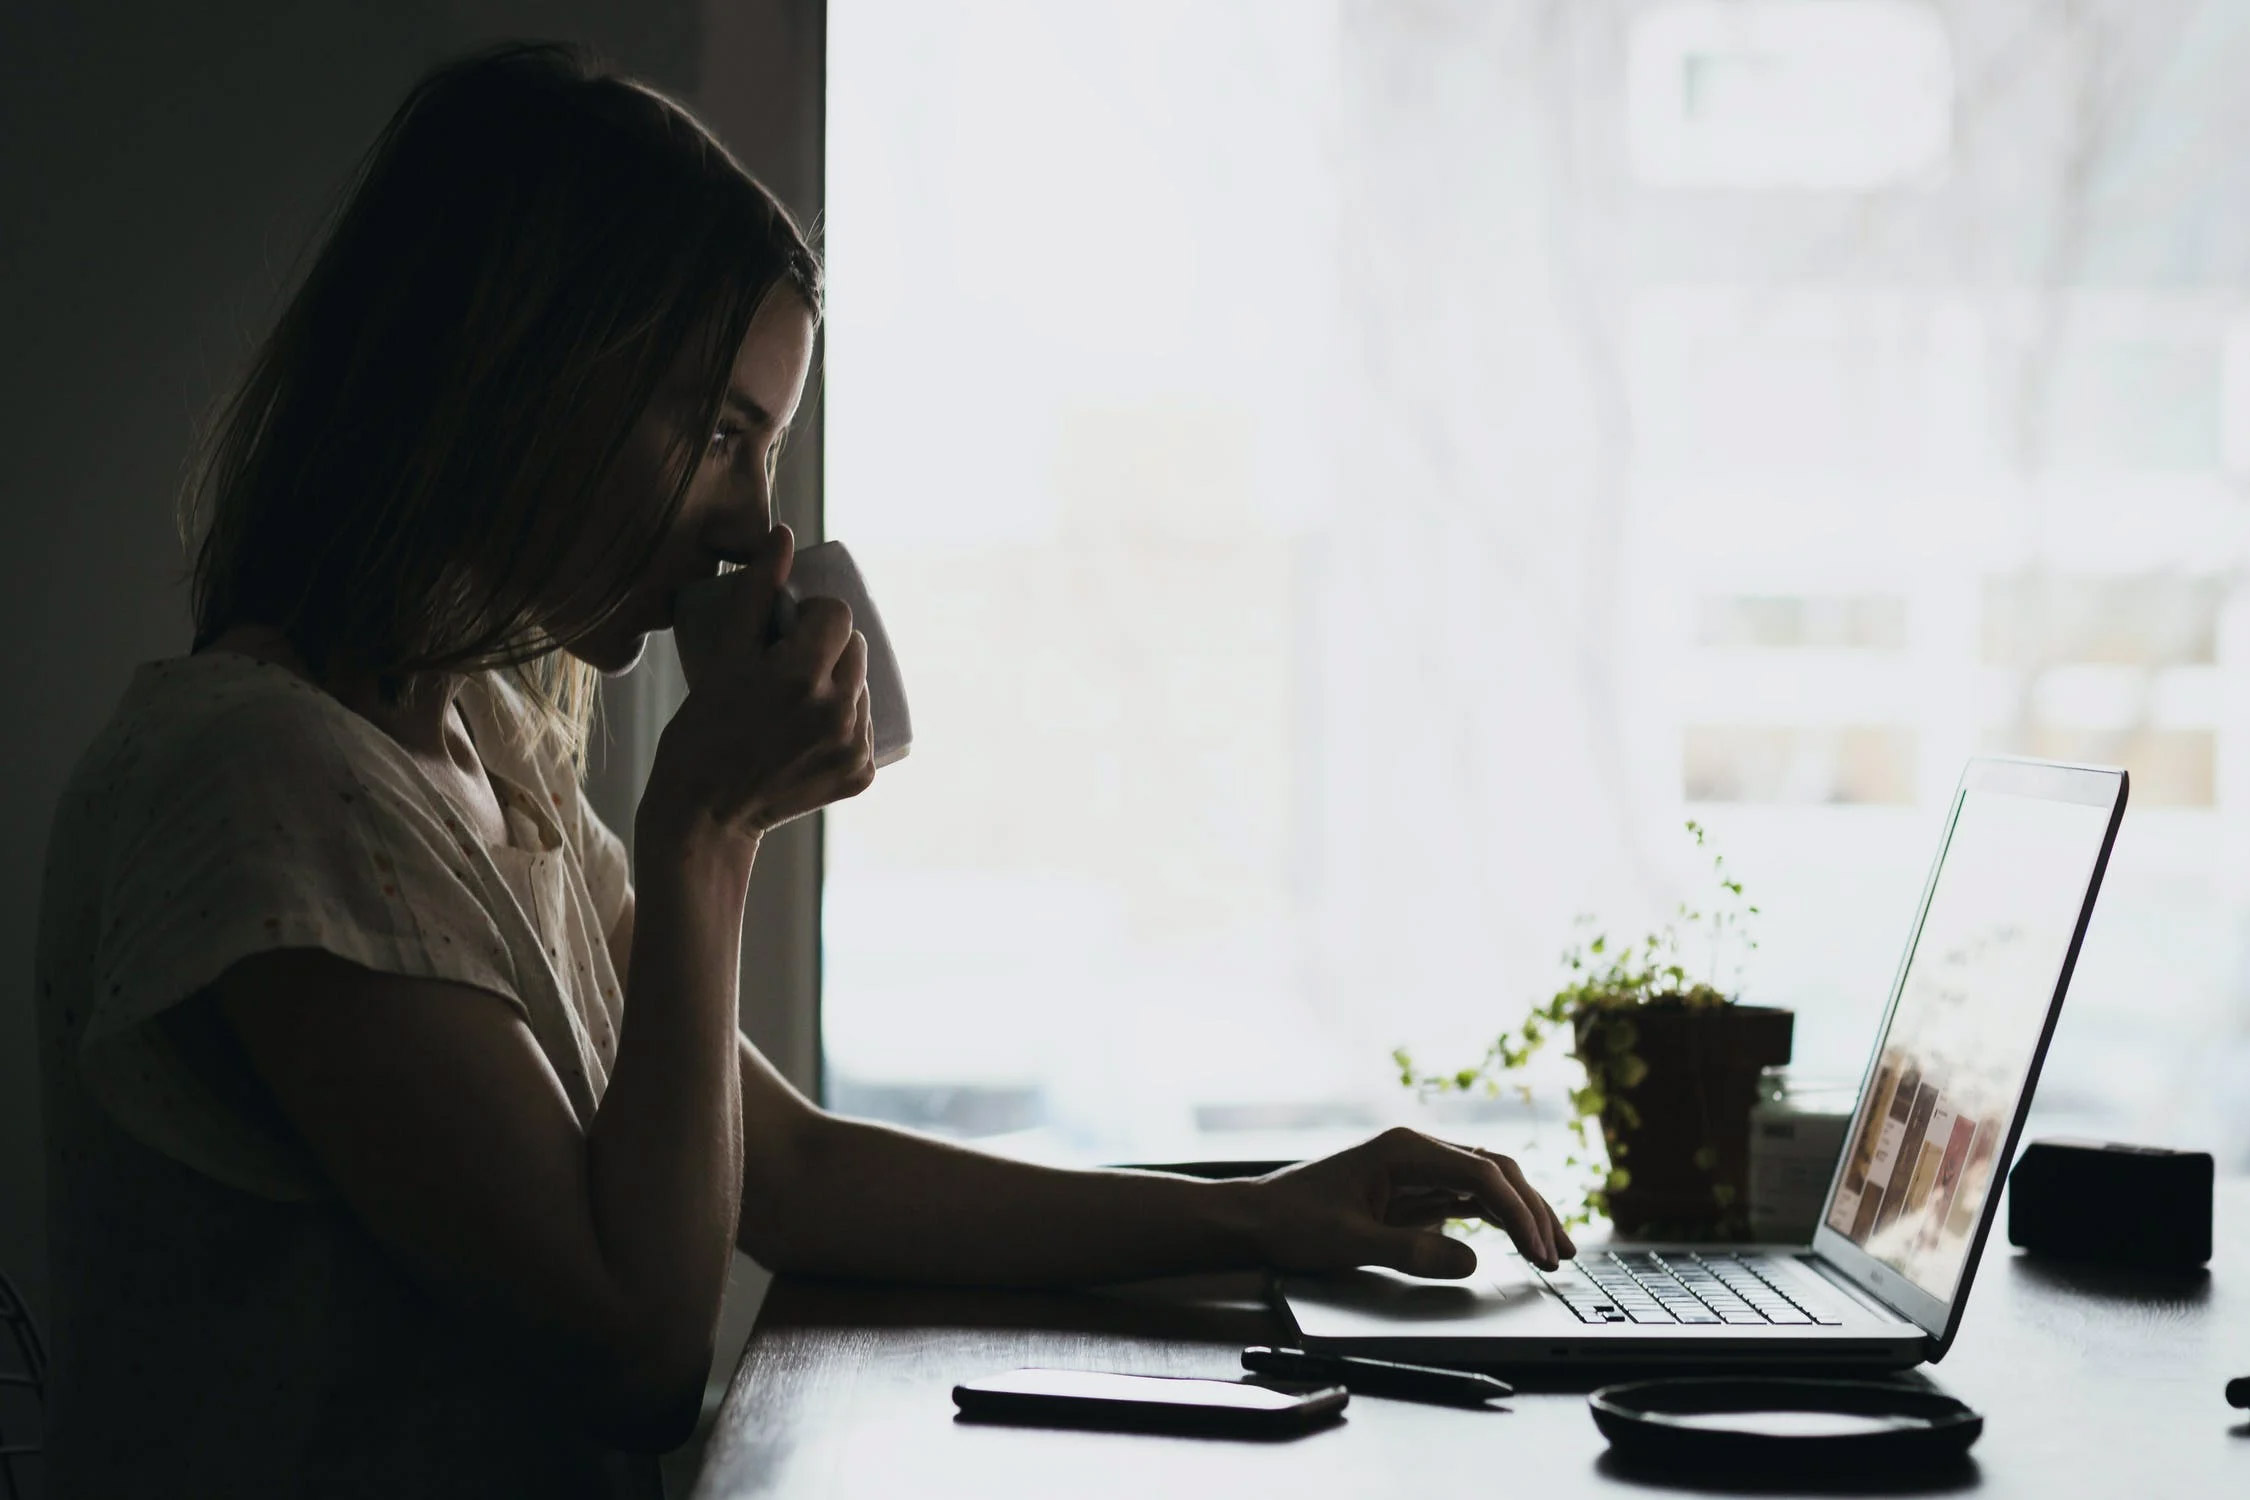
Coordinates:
<point>769,732</point>
<point>1381,1204</point>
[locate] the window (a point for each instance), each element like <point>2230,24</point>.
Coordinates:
<point>1864,622</point>
<point>1851,763</point>
<point>2149,622</point>
<point>1786,93</point>
<point>1347,482</point>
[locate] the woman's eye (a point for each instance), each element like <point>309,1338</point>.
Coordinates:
<point>725,439</point>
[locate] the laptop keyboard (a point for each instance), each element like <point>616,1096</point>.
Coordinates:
<point>1648,1286</point>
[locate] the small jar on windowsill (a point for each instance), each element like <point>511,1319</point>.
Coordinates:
<point>1797,1131</point>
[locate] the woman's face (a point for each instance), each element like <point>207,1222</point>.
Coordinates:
<point>728,510</point>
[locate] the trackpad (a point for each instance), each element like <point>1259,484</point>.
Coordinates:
<point>1504,1300</point>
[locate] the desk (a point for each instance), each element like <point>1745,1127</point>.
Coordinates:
<point>2092,1384</point>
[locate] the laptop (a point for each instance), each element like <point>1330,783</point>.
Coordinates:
<point>1885,1279</point>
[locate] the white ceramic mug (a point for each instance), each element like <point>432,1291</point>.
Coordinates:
<point>824,570</point>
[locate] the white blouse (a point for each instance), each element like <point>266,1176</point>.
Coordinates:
<point>223,1324</point>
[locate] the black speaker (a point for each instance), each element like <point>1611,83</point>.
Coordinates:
<point>2145,1206</point>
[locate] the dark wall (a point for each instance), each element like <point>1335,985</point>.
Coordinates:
<point>163,166</point>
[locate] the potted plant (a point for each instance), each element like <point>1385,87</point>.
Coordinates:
<point>1671,1068</point>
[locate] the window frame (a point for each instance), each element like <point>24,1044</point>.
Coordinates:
<point>764,92</point>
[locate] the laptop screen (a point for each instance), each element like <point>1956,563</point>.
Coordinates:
<point>1971,1010</point>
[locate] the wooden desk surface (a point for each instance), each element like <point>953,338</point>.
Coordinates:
<point>2092,1384</point>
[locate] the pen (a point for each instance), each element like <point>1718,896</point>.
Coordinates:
<point>1377,1377</point>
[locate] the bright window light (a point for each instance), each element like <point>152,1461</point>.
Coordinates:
<point>1341,508</point>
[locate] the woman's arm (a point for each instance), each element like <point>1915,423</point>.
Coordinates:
<point>441,1123</point>
<point>852,1198</point>
<point>843,1197</point>
<point>836,1196</point>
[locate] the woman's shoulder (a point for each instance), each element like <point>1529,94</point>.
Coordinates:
<point>218,726</point>
<point>219,701</point>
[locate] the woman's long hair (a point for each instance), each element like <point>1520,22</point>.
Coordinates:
<point>408,480</point>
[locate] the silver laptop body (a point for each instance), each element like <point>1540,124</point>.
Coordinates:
<point>1884,1282</point>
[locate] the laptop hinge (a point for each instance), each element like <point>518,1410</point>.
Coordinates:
<point>1834,1276</point>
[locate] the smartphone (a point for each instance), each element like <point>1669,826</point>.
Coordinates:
<point>1147,1403</point>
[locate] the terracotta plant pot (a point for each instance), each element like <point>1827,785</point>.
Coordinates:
<point>1702,1081</point>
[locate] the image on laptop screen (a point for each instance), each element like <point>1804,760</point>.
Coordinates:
<point>1970,1011</point>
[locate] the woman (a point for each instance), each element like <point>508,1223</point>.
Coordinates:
<point>400,1142</point>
